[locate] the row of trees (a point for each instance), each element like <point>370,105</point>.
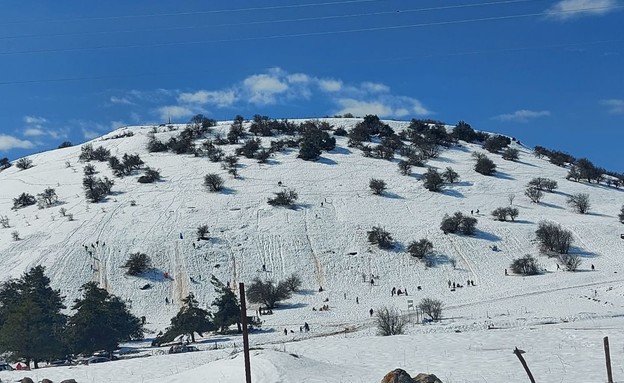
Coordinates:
<point>33,327</point>
<point>191,318</point>
<point>580,169</point>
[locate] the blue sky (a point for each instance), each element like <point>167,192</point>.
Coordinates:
<point>547,72</point>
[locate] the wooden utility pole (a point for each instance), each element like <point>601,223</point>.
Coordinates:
<point>524,364</point>
<point>243,304</point>
<point>608,359</point>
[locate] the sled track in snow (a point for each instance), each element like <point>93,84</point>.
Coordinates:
<point>318,268</point>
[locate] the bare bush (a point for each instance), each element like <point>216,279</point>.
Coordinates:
<point>389,322</point>
<point>534,194</point>
<point>571,262</point>
<point>293,283</point>
<point>579,202</point>
<point>553,238</point>
<point>24,163</point>
<point>432,308</point>
<point>450,175</point>
<point>267,293</point>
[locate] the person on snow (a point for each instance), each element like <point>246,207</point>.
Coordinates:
<point>306,327</point>
<point>371,312</point>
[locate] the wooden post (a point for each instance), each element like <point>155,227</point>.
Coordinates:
<point>608,359</point>
<point>241,289</point>
<point>524,364</point>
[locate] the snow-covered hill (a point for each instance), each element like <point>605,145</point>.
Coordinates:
<point>324,240</point>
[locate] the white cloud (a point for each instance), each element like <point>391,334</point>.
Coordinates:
<point>10,142</point>
<point>121,100</point>
<point>152,96</point>
<point>615,106</point>
<point>389,106</point>
<point>375,87</point>
<point>39,126</point>
<point>415,106</point>
<point>34,132</point>
<point>174,111</point>
<point>522,115</point>
<point>277,86</point>
<point>220,98</point>
<point>296,78</point>
<point>329,85</point>
<point>568,9</point>
<point>362,108</point>
<point>262,88</point>
<point>34,120</point>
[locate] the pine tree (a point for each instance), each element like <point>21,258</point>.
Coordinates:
<point>228,309</point>
<point>101,321</point>
<point>189,320</point>
<point>31,323</point>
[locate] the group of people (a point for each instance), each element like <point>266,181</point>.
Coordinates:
<point>305,327</point>
<point>322,308</point>
<point>398,292</point>
<point>469,282</point>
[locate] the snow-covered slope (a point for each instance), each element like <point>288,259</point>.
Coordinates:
<point>324,240</point>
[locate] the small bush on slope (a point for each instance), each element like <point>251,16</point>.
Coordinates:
<point>137,264</point>
<point>213,182</point>
<point>458,222</point>
<point>24,163</point>
<point>526,265</point>
<point>284,198</point>
<point>378,236</point>
<point>377,186</point>
<point>389,322</point>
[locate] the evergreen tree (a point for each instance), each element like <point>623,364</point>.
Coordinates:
<point>189,320</point>
<point>31,323</point>
<point>432,180</point>
<point>228,309</point>
<point>308,151</point>
<point>485,166</point>
<point>101,321</point>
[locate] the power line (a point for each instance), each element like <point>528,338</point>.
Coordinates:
<point>303,19</point>
<point>419,57</point>
<point>216,11</point>
<point>305,34</point>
